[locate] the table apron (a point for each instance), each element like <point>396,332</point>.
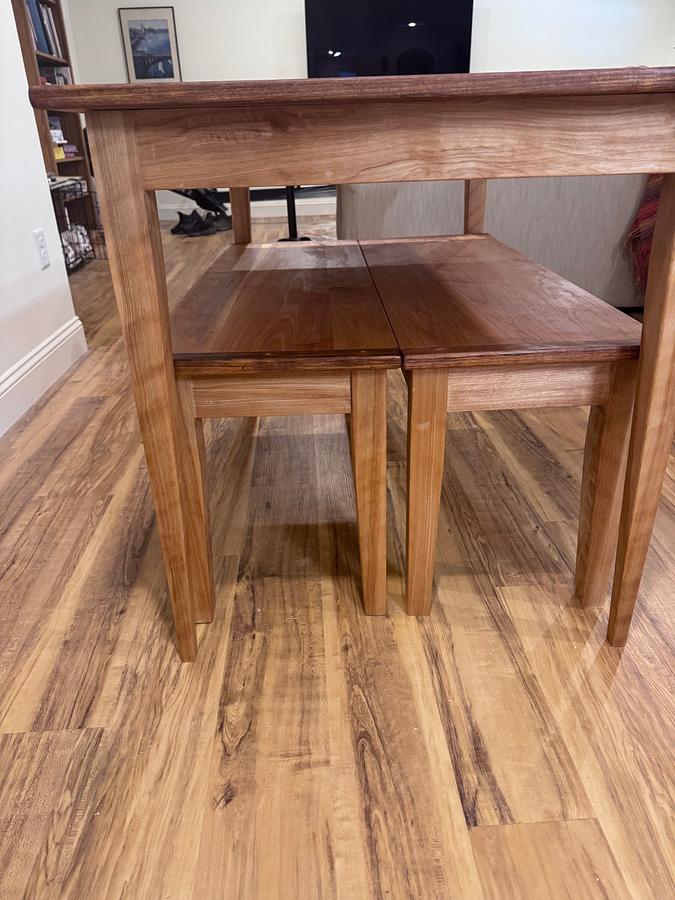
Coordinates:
<point>503,137</point>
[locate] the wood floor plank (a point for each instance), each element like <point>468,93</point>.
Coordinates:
<point>24,474</point>
<point>45,780</point>
<point>105,588</point>
<point>409,828</point>
<point>499,526</point>
<point>34,568</point>
<point>271,758</point>
<point>491,707</point>
<point>615,713</point>
<point>547,860</point>
<point>162,717</point>
<point>541,474</point>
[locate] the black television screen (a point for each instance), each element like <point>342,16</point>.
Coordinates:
<point>387,37</point>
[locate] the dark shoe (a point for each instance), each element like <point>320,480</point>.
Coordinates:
<point>221,221</point>
<point>185,221</point>
<point>199,228</point>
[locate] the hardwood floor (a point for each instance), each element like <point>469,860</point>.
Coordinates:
<point>496,749</point>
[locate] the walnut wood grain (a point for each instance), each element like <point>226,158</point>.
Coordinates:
<point>419,140</point>
<point>276,393</point>
<point>83,97</point>
<point>282,306</point>
<point>473,388</point>
<point>470,300</point>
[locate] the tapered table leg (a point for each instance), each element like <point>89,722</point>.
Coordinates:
<point>653,421</point>
<point>136,262</point>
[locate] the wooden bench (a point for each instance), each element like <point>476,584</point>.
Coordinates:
<point>482,327</point>
<point>286,329</point>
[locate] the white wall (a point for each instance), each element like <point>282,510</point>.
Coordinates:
<point>217,39</point>
<point>40,336</point>
<point>513,35</point>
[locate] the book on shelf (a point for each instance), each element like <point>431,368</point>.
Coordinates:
<point>50,29</point>
<point>37,26</point>
<point>32,29</point>
<point>56,75</point>
<point>62,75</point>
<point>56,130</point>
<point>58,49</point>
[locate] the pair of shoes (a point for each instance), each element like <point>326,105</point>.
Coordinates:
<point>184,221</point>
<point>222,221</point>
<point>193,225</point>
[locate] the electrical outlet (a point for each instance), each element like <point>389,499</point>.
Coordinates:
<point>42,248</point>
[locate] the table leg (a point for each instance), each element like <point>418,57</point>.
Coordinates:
<point>602,484</point>
<point>240,201</point>
<point>427,415</point>
<point>136,262</point>
<point>368,422</point>
<point>653,421</point>
<point>475,193</point>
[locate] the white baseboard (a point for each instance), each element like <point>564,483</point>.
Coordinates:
<point>26,381</point>
<point>169,207</point>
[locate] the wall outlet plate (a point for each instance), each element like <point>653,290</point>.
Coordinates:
<point>42,248</point>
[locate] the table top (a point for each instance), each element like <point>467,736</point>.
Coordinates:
<point>284,305</point>
<point>176,95</point>
<point>471,300</point>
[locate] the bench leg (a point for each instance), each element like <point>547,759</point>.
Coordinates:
<point>368,427</point>
<point>199,538</point>
<point>240,201</point>
<point>427,414</point>
<point>602,486</point>
<point>653,421</point>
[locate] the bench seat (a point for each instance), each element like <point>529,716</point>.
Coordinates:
<point>266,307</point>
<point>470,300</point>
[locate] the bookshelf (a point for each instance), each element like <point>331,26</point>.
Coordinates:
<point>46,58</point>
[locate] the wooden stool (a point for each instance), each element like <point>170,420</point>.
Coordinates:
<point>286,329</point>
<point>482,327</point>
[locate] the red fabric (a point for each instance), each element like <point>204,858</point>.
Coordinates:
<point>641,234</point>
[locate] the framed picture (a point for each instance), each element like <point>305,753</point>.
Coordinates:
<point>150,45</point>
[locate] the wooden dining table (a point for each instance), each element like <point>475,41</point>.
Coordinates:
<point>473,127</point>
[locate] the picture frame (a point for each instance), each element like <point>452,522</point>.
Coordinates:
<point>150,43</point>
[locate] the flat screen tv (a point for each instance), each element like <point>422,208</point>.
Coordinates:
<point>387,37</point>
